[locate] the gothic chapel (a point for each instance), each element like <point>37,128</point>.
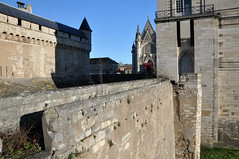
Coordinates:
<point>144,50</point>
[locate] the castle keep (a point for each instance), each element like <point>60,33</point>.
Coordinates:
<point>35,47</point>
<point>196,36</point>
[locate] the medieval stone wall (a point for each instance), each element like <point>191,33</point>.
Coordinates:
<point>228,88</point>
<point>16,107</point>
<point>118,125</point>
<point>167,57</point>
<point>204,63</point>
<point>215,57</point>
<point>32,51</point>
<point>134,119</point>
<point>187,108</point>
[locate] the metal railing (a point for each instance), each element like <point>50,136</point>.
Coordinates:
<point>179,12</point>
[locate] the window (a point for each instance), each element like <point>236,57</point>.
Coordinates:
<point>192,32</point>
<point>179,6</point>
<point>19,22</point>
<point>178,34</point>
<point>184,6</point>
<point>39,27</point>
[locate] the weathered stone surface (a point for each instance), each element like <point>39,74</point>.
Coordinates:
<point>23,104</point>
<point>213,54</point>
<point>187,102</point>
<point>116,130</point>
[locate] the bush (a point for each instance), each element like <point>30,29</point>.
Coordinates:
<point>18,144</point>
<point>219,153</point>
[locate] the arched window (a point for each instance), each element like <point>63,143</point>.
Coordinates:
<point>186,64</point>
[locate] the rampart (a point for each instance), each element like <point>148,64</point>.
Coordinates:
<point>134,119</point>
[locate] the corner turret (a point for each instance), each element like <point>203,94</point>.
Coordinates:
<point>85,28</point>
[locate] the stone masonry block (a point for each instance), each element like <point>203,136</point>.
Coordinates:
<point>12,20</point>
<point>3,18</point>
<point>100,135</point>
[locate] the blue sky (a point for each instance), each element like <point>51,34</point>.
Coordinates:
<point>114,22</point>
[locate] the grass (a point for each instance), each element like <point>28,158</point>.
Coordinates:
<point>219,153</point>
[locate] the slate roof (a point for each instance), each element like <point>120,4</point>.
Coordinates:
<point>85,25</point>
<point>105,60</point>
<point>23,15</point>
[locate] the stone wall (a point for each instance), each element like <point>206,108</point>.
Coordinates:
<point>27,52</point>
<point>13,108</point>
<point>187,108</point>
<point>215,58</point>
<point>120,125</point>
<point>128,119</point>
<point>167,51</point>
<point>204,64</point>
<point>228,84</point>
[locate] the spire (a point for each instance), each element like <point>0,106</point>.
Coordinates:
<point>85,25</point>
<point>138,35</point>
<point>138,29</point>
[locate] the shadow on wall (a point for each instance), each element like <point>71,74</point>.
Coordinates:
<point>33,123</point>
<point>119,78</point>
<point>72,56</point>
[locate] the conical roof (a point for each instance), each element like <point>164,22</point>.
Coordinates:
<point>85,25</point>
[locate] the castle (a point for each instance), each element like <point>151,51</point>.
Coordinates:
<point>33,47</point>
<point>196,36</point>
<point>196,48</point>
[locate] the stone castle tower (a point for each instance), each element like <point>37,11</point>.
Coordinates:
<point>144,50</point>
<point>198,36</point>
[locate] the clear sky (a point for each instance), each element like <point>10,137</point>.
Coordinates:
<point>114,22</point>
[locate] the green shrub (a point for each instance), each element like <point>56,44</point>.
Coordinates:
<point>110,142</point>
<point>128,100</point>
<point>218,153</point>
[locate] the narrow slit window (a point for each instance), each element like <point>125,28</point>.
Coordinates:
<point>40,27</point>
<point>19,22</point>
<point>178,34</point>
<point>192,32</point>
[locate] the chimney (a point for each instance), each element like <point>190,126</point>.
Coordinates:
<point>21,6</point>
<point>29,8</point>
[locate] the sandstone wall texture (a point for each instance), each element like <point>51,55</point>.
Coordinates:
<point>228,84</point>
<point>32,51</point>
<point>167,54</point>
<point>13,108</point>
<point>136,119</point>
<point>215,57</point>
<point>204,64</point>
<point>187,108</point>
<point>137,123</point>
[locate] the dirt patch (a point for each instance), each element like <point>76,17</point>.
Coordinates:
<point>8,88</point>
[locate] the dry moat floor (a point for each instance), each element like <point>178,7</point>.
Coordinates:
<point>219,153</point>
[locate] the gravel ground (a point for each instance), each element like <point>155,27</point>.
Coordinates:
<point>8,89</point>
